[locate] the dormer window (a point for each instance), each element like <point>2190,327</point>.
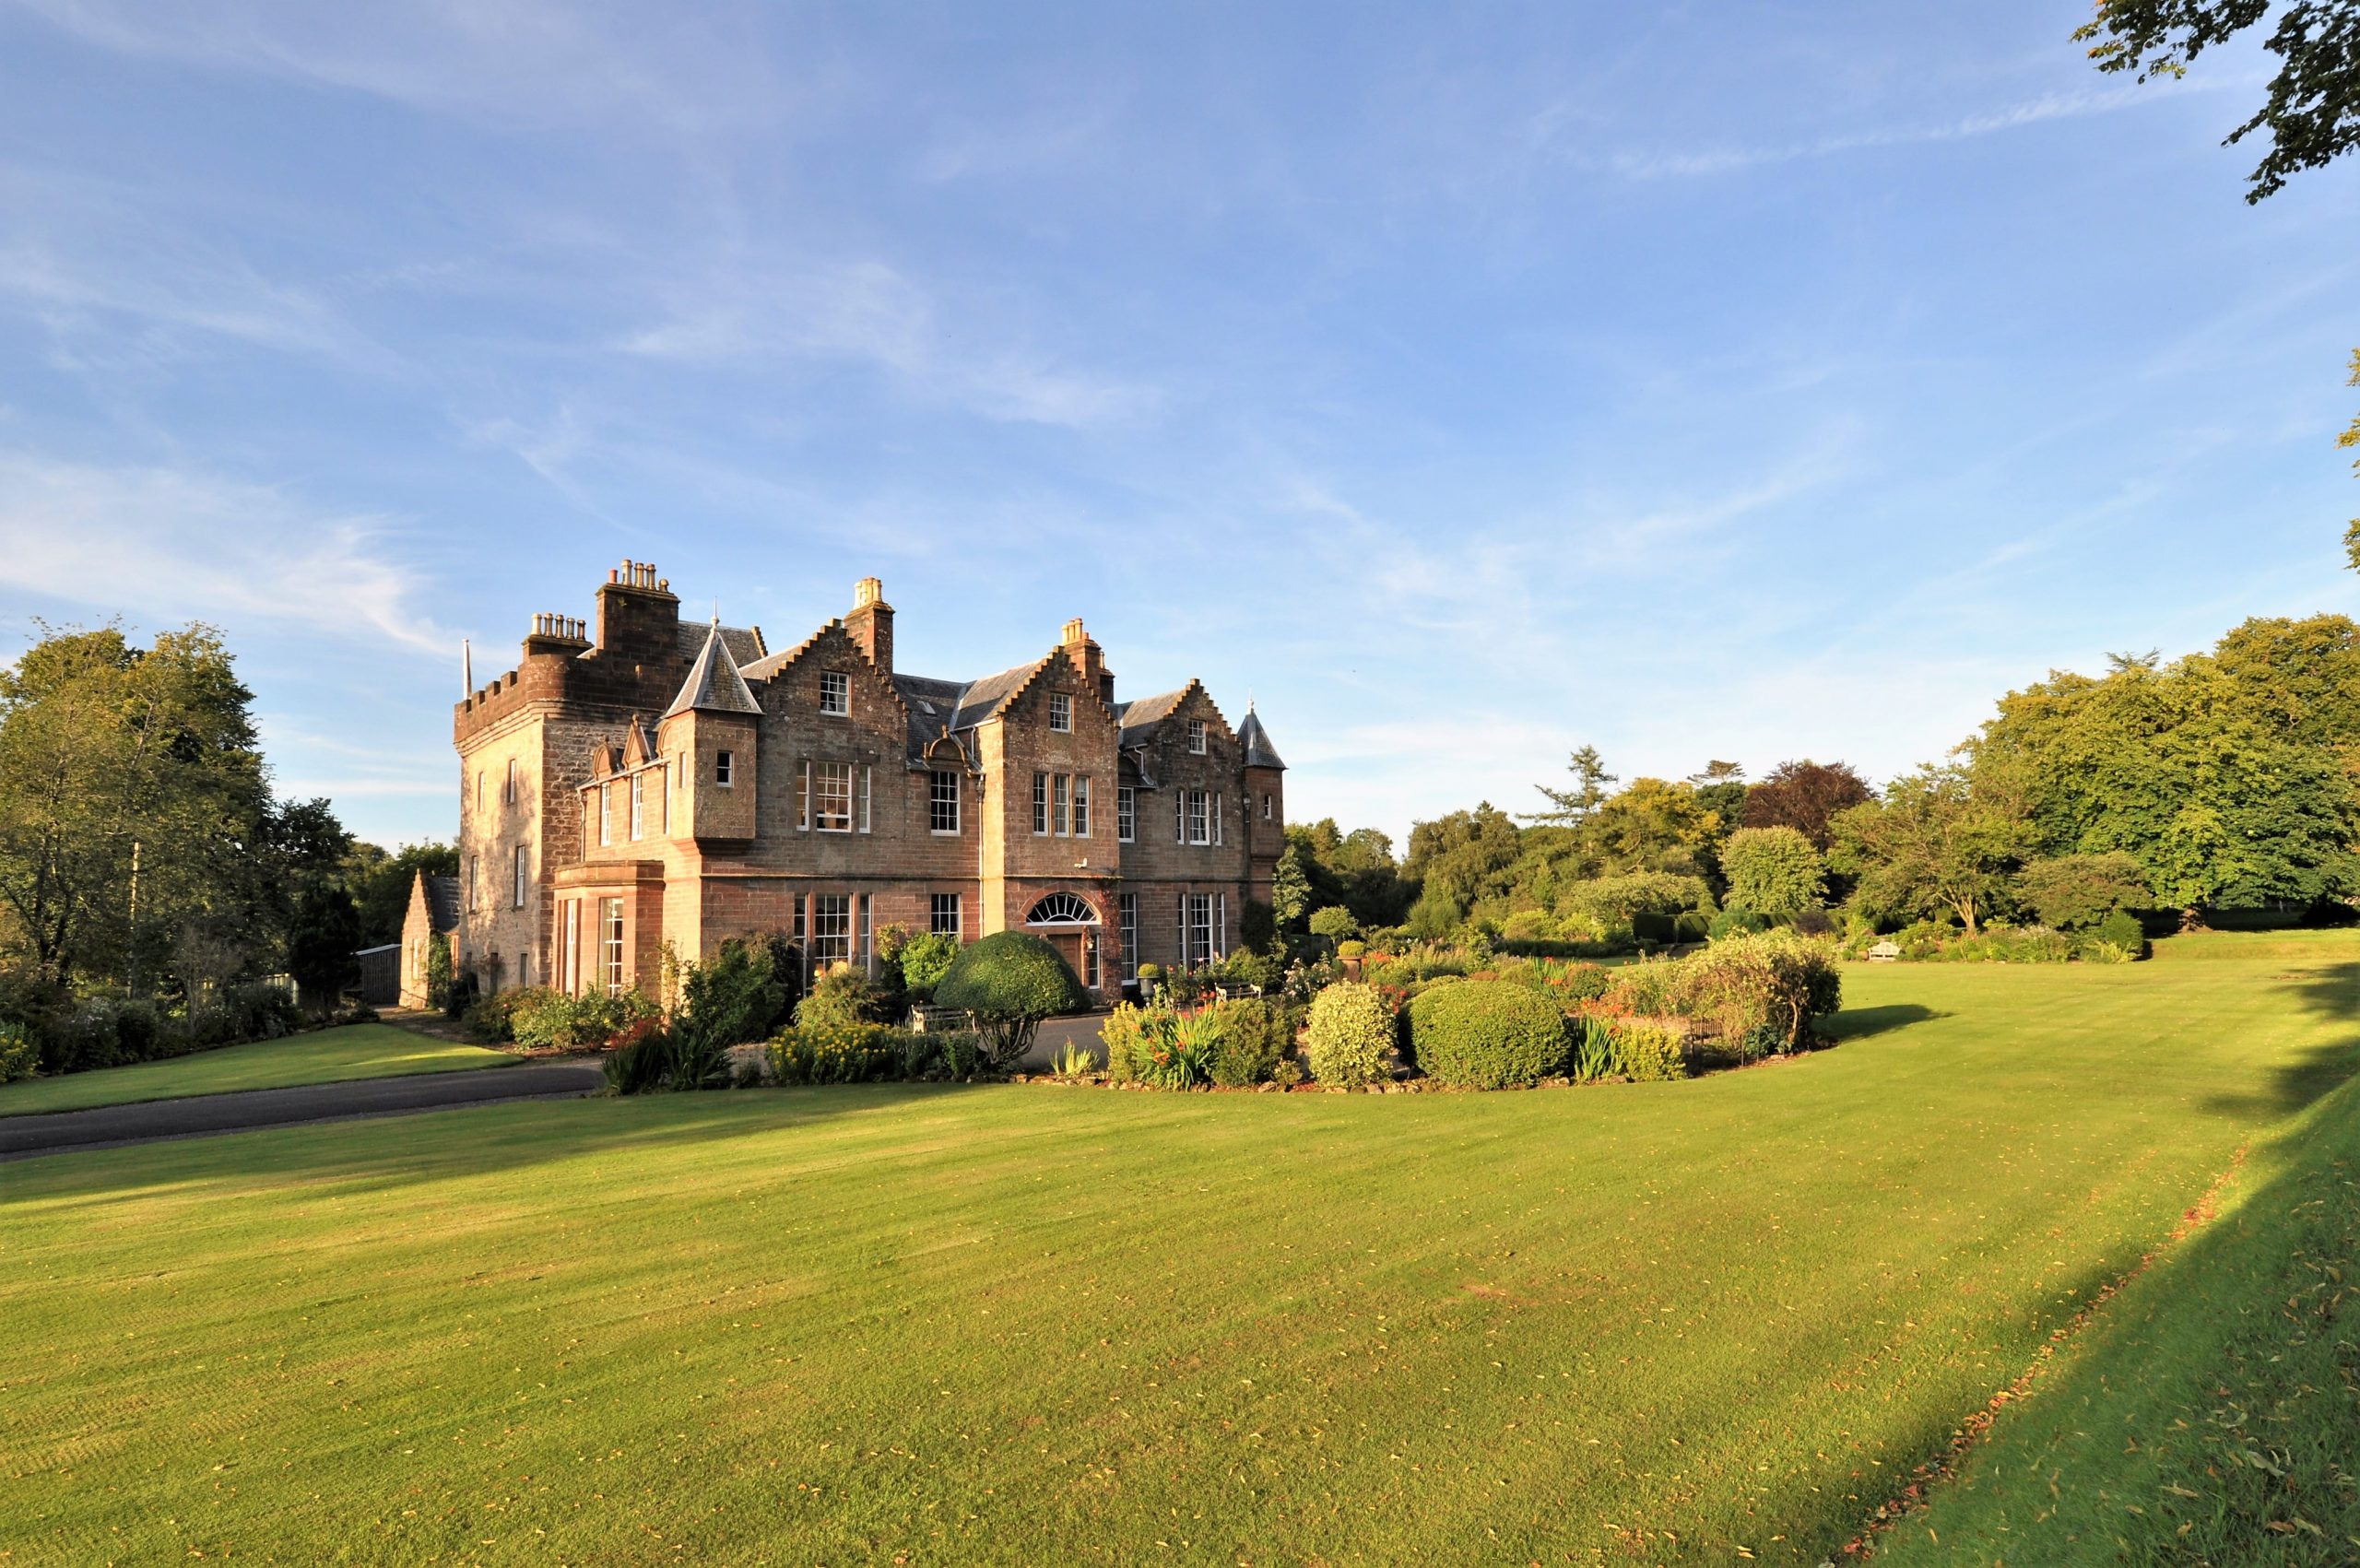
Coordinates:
<point>835,691</point>
<point>1061,713</point>
<point>1196,737</point>
<point>724,769</point>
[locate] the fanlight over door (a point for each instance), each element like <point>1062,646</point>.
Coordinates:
<point>1062,909</point>
<point>1066,922</point>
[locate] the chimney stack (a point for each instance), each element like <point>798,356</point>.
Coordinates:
<point>638,617</point>
<point>871,622</point>
<point>1088,660</point>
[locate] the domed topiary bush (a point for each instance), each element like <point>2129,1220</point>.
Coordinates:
<point>1011,980</point>
<point>1351,1040</point>
<point>1486,1034</point>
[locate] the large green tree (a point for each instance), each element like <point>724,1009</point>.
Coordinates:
<point>1944,840</point>
<point>133,798</point>
<point>2228,777</point>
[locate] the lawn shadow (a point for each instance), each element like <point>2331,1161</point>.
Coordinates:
<point>1858,1023</point>
<point>2170,1343</point>
<point>2314,1071</point>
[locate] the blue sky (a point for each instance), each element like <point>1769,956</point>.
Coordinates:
<point>1468,384</point>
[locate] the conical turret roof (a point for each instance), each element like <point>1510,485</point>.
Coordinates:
<point>714,685</point>
<point>1255,742</point>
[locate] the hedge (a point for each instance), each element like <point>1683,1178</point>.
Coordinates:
<point>1486,1034</point>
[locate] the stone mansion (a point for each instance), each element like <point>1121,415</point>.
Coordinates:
<point>638,780</point>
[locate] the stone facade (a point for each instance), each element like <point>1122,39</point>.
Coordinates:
<point>636,781</point>
<point>433,916</point>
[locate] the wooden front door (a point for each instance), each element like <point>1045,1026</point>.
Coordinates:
<point>1069,946</point>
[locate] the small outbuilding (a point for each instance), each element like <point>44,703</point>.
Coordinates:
<point>433,916</point>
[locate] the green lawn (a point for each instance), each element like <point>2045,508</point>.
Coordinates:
<point>326,1055</point>
<point>1648,1324</point>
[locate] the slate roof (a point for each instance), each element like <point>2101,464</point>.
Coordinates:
<point>745,643</point>
<point>714,685</point>
<point>441,902</point>
<point>1139,716</point>
<point>1256,741</point>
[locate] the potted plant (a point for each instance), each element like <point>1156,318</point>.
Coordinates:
<point>1150,981</point>
<point>1352,952</point>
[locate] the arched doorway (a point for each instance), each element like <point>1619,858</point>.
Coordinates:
<point>1067,922</point>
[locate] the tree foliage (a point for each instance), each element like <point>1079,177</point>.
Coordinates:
<point>133,800</point>
<point>2228,777</point>
<point>1774,871</point>
<point>1572,806</point>
<point>1942,841</point>
<point>1803,796</point>
<point>2311,107</point>
<point>2072,891</point>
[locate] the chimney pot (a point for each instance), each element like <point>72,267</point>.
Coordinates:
<point>1074,632</point>
<point>868,591</point>
<point>613,575</point>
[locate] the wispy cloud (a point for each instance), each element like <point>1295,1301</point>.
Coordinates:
<point>2075,104</point>
<point>166,545</point>
<point>513,61</point>
<point>872,314</point>
<point>115,282</point>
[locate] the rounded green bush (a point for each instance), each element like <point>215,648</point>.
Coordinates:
<point>1011,980</point>
<point>1352,1035</point>
<point>1486,1034</point>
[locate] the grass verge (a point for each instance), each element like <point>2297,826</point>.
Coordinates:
<point>326,1055</point>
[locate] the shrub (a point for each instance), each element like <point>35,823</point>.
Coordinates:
<point>1011,980</point>
<point>438,972</point>
<point>493,1021</point>
<point>836,1050</point>
<point>2122,931</point>
<point>926,960</point>
<point>1759,993</point>
<point>1352,1035</point>
<point>1251,968</point>
<point>639,1066</point>
<point>1649,1053</point>
<point>1335,922</point>
<point>730,998</point>
<point>1150,972</point>
<point>1254,1037</point>
<point>551,1021</point>
<point>1585,982</point>
<point>2008,944</point>
<point>842,995</point>
<point>1736,921</point>
<point>20,1056</point>
<point>1127,1035</point>
<point>1351,949</point>
<point>1486,1034</point>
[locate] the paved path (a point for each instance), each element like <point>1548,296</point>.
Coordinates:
<point>108,1126</point>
